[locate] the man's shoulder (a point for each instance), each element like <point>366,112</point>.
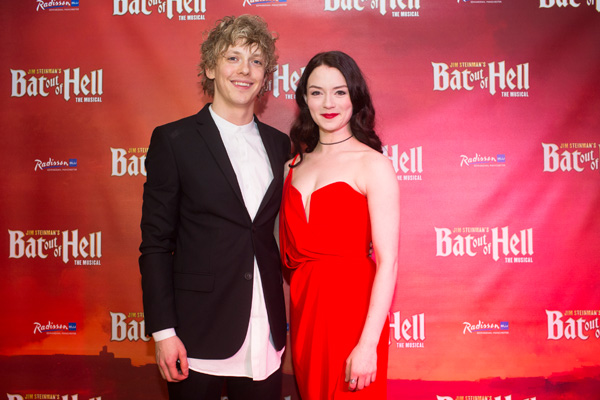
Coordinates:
<point>276,133</point>
<point>184,127</point>
<point>188,121</point>
<point>269,128</point>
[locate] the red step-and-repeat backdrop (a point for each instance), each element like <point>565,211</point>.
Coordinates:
<point>489,111</point>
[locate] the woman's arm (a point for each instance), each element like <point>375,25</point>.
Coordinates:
<point>383,196</point>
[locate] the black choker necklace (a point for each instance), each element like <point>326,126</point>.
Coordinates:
<point>341,141</point>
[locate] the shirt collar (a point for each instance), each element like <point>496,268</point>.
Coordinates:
<point>227,128</point>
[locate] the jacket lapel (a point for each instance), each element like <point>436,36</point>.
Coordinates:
<point>210,133</point>
<point>269,144</point>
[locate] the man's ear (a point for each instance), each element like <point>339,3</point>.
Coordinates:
<point>210,73</point>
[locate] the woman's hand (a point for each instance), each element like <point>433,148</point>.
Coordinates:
<point>361,367</point>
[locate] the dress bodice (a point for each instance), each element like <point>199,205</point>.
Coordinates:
<point>338,224</point>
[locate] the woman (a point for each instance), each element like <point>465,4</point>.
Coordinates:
<point>340,195</point>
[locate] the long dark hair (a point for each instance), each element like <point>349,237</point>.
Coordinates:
<point>305,132</point>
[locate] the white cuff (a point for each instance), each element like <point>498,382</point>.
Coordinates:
<point>164,334</point>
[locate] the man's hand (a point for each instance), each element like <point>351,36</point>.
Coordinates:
<point>171,358</point>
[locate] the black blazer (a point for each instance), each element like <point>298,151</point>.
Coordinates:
<point>199,242</point>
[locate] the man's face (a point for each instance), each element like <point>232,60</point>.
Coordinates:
<point>238,77</point>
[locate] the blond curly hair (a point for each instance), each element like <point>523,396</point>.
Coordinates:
<point>246,30</point>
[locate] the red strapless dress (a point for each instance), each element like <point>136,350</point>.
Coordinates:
<point>331,280</point>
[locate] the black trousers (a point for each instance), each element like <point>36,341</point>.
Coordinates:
<point>199,386</point>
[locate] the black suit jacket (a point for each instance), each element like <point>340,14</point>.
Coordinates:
<point>199,242</point>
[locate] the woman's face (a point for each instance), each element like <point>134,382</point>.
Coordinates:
<point>328,100</point>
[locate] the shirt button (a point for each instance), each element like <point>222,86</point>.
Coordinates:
<point>248,276</point>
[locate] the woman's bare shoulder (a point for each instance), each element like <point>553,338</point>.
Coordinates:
<point>373,158</point>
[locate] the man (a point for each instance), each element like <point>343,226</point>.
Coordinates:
<point>211,275</point>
